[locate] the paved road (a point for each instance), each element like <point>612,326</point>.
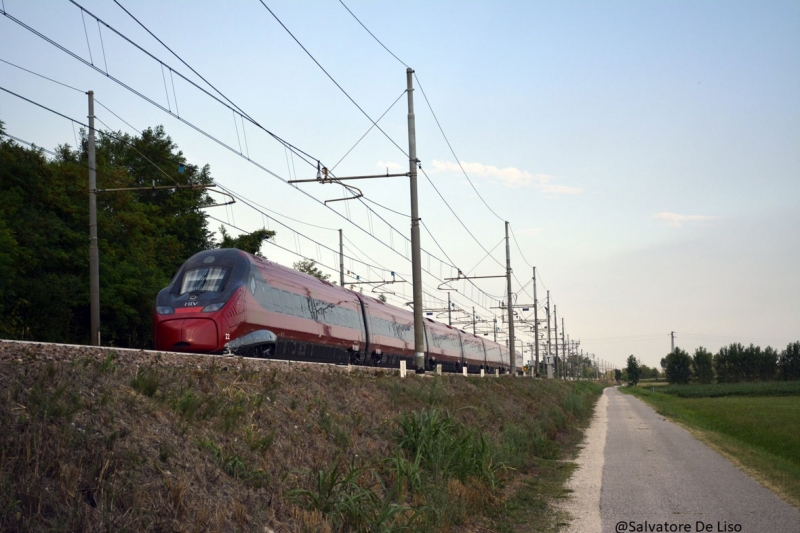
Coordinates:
<point>657,477</point>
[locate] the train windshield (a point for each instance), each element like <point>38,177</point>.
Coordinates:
<point>203,279</point>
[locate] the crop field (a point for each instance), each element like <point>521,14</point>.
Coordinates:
<point>769,388</point>
<point>757,426</point>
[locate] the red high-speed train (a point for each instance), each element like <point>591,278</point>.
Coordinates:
<point>229,301</point>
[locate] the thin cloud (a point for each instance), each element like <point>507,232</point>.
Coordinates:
<point>510,176</point>
<point>391,165</point>
<point>675,220</point>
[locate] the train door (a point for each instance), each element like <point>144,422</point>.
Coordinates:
<point>367,354</point>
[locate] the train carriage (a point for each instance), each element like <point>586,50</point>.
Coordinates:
<point>443,346</point>
<point>229,301</point>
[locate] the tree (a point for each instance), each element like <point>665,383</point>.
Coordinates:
<point>618,375</point>
<point>679,366</point>
<point>248,242</point>
<point>768,364</point>
<point>309,266</point>
<point>729,364</point>
<point>790,362</point>
<point>703,366</point>
<point>633,370</point>
<point>143,235</point>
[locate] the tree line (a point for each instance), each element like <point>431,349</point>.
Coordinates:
<point>143,235</point>
<point>734,363</point>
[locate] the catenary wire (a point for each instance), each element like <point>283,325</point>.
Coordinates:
<point>373,35</point>
<point>331,77</point>
<point>168,111</point>
<point>430,107</point>
<point>178,117</point>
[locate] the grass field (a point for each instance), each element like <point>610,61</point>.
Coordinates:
<point>771,388</point>
<point>759,433</point>
<point>96,440</point>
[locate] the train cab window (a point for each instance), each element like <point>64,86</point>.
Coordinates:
<point>203,279</point>
<point>286,299</point>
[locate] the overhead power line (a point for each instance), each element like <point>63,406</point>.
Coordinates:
<point>331,77</point>
<point>202,131</point>
<point>373,35</point>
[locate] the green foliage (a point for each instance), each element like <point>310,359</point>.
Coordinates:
<point>143,236</point>
<point>618,375</point>
<point>633,370</point>
<point>703,365</point>
<point>310,267</point>
<point>441,445</point>
<point>351,497</point>
<point>679,366</point>
<point>737,363</point>
<point>146,381</point>
<point>645,372</point>
<point>774,388</point>
<point>248,242</point>
<point>789,362</point>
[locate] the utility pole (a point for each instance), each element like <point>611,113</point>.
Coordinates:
<point>564,346</point>
<point>536,320</point>
<point>473,319</point>
<point>555,324</point>
<point>94,255</point>
<point>495,329</point>
<point>416,255</point>
<point>341,260</point>
<point>510,309</point>
<point>672,336</point>
<point>449,311</point>
<point>549,362</point>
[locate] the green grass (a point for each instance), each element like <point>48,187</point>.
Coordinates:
<point>761,433</point>
<point>769,388</point>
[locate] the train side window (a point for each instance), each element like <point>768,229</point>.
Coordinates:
<point>275,299</point>
<point>298,305</point>
<point>306,301</point>
<point>286,299</point>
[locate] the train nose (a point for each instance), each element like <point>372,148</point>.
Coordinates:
<point>188,335</point>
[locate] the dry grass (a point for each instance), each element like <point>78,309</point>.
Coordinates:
<point>97,441</point>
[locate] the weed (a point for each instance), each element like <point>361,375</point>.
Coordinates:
<point>231,414</point>
<point>188,403</point>
<point>443,446</point>
<point>165,451</point>
<point>256,441</point>
<point>108,363</point>
<point>63,402</point>
<point>351,506</point>
<point>146,381</point>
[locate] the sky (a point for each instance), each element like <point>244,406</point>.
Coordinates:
<point>645,154</point>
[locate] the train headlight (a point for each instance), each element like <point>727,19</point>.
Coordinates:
<point>213,307</point>
<point>165,310</point>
